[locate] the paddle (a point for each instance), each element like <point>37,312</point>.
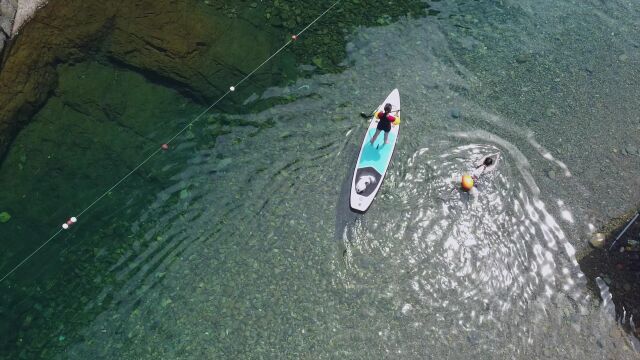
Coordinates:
<point>364,115</point>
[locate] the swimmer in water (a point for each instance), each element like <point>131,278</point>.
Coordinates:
<point>487,164</point>
<point>480,169</point>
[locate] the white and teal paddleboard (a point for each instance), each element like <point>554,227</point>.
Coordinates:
<point>373,160</point>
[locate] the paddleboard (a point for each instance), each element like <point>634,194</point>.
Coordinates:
<point>373,160</point>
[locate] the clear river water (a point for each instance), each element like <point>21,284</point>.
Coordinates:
<point>238,242</point>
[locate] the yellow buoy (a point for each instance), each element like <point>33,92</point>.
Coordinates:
<point>467,182</point>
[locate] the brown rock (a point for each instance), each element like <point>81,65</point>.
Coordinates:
<point>28,73</point>
<point>173,42</point>
<point>597,240</point>
<point>195,51</point>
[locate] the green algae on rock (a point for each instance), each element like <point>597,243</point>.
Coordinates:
<point>174,44</point>
<point>198,48</point>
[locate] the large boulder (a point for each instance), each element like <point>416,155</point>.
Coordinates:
<point>28,74</point>
<point>188,45</point>
<point>197,49</point>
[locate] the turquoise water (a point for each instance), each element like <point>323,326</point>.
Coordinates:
<point>237,242</point>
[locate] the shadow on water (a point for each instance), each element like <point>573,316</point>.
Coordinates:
<point>345,217</point>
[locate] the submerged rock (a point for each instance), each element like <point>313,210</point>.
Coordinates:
<point>195,48</point>
<point>192,50</point>
<point>523,58</point>
<point>551,174</point>
<point>184,193</point>
<point>223,164</point>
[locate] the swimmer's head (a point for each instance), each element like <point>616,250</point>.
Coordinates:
<point>488,161</point>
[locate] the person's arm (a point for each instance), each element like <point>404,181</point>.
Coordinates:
<point>477,173</point>
<point>394,120</point>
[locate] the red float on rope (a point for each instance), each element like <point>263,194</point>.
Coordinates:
<point>165,146</point>
<point>72,220</point>
<point>294,37</point>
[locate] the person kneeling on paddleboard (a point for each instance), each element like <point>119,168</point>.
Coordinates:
<point>384,123</point>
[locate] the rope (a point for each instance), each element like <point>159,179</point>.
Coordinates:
<point>623,231</point>
<point>30,255</point>
<point>73,220</point>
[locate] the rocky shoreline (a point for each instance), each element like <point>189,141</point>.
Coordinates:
<point>614,257</point>
<point>8,10</point>
<point>26,10</point>
<point>13,15</point>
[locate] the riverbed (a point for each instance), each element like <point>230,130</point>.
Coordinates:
<point>238,242</point>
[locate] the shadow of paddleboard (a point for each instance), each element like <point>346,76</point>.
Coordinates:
<point>345,216</point>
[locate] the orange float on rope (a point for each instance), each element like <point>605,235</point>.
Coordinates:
<point>467,182</point>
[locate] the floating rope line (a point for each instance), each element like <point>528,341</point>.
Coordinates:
<point>165,146</point>
<point>30,255</point>
<point>623,231</point>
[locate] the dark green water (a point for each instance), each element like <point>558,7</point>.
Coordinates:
<point>237,242</point>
